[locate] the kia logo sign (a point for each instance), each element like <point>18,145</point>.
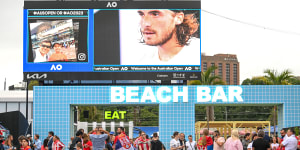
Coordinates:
<point>37,76</point>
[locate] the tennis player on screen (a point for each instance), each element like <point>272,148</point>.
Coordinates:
<point>173,33</point>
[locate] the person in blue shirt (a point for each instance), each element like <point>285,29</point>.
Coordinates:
<point>37,144</point>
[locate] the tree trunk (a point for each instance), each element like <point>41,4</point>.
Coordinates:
<point>210,113</point>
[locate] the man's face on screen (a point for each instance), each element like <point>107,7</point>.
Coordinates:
<point>157,26</point>
<point>45,48</point>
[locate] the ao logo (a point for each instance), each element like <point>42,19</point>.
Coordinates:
<point>57,67</point>
<point>112,4</point>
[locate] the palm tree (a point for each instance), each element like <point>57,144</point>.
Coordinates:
<point>208,79</point>
<point>274,78</point>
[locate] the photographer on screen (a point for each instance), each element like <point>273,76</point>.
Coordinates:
<point>174,33</point>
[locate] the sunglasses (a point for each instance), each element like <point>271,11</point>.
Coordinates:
<point>47,46</point>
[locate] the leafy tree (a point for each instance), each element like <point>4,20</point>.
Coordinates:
<point>296,131</point>
<point>33,83</point>
<point>295,81</point>
<point>254,81</point>
<point>275,78</point>
<point>208,79</point>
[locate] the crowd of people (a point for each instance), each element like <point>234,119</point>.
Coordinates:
<point>254,141</point>
<point>99,139</point>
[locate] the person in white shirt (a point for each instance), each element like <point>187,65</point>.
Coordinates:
<point>190,145</point>
<point>42,54</point>
<point>254,137</point>
<point>290,142</point>
<point>275,144</point>
<point>218,141</point>
<point>171,32</point>
<point>174,143</point>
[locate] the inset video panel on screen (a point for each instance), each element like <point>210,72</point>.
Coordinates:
<point>133,40</point>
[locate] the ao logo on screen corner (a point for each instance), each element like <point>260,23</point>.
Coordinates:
<point>56,67</point>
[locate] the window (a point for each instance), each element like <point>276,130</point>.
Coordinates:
<point>204,66</point>
<point>235,74</point>
<point>213,72</point>
<point>220,70</point>
<point>228,73</point>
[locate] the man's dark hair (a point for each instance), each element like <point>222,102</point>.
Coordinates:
<point>190,136</point>
<point>37,136</point>
<point>217,132</point>
<point>292,130</point>
<point>51,133</point>
<point>247,134</point>
<point>140,132</point>
<point>78,133</point>
<point>259,128</point>
<point>122,128</point>
<point>155,134</point>
<point>283,130</point>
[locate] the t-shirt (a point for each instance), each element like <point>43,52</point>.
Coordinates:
<point>58,145</point>
<point>122,142</point>
<point>233,144</point>
<point>156,144</point>
<point>74,142</point>
<point>144,144</point>
<point>260,144</point>
<point>87,145</point>
<point>98,141</point>
<point>135,144</point>
<point>250,145</point>
<point>209,142</point>
<point>188,55</point>
<point>190,145</point>
<point>174,143</point>
<point>220,140</point>
<point>274,146</point>
<point>27,148</point>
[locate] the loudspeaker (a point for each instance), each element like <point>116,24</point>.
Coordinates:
<point>86,114</point>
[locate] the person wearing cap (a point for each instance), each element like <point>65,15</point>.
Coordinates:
<point>112,137</point>
<point>58,55</point>
<point>29,137</point>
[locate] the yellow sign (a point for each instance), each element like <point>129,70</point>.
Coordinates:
<point>115,114</point>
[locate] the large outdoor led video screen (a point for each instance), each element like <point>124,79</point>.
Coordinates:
<point>161,41</point>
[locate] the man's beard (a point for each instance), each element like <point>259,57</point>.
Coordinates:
<point>163,40</point>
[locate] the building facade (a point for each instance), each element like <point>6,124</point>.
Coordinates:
<point>228,67</point>
<point>16,101</point>
<point>52,110</point>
